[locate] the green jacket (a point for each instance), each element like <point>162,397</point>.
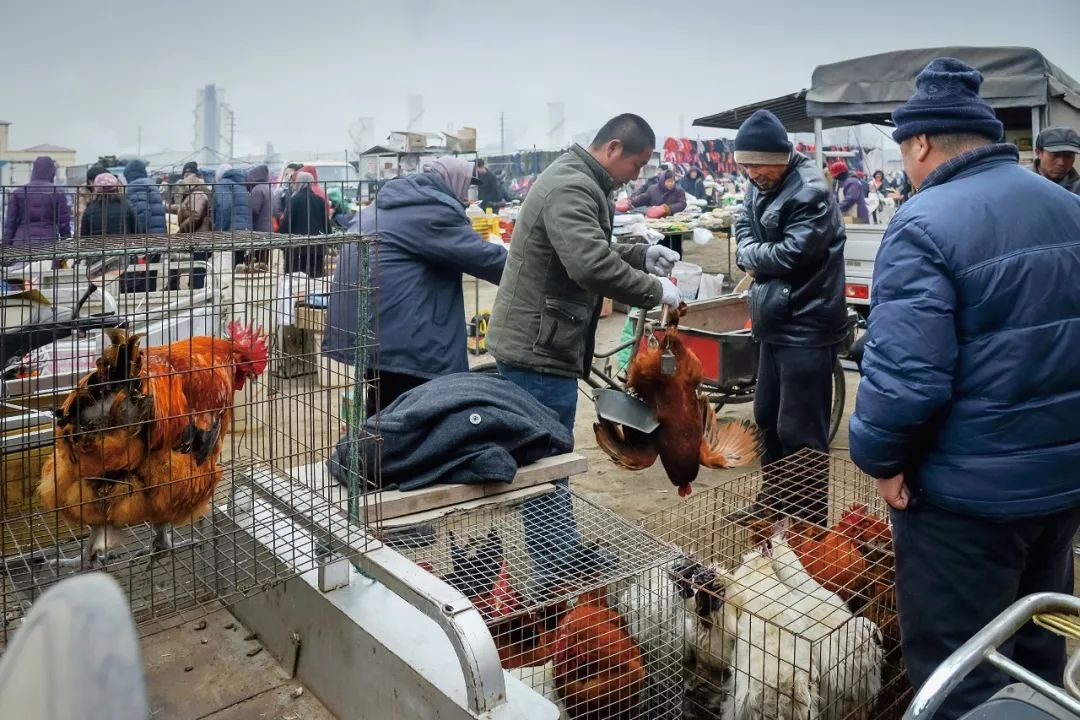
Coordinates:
<point>560,268</point>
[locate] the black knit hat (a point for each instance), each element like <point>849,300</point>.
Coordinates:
<point>762,140</point>
<point>190,167</point>
<point>946,101</point>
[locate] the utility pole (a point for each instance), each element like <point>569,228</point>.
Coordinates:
<point>138,143</point>
<point>232,134</point>
<point>502,133</point>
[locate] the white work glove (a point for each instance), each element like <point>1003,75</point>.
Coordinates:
<point>669,294</point>
<point>660,261</point>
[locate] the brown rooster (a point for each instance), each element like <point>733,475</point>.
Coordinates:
<point>138,440</point>
<point>599,669</point>
<point>690,435</point>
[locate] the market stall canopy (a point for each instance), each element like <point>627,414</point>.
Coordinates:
<point>868,89</point>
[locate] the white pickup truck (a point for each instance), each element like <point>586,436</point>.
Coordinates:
<point>860,250</point>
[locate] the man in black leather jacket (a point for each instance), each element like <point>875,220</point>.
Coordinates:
<point>791,241</point>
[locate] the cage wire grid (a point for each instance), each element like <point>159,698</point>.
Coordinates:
<point>793,608</point>
<point>597,630</point>
<point>188,489</point>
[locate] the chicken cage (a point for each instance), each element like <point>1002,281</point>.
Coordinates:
<point>793,607</point>
<point>162,376</point>
<point>599,631</point>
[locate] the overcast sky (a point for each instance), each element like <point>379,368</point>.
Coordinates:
<point>87,75</point>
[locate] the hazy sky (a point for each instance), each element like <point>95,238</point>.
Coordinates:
<point>88,74</point>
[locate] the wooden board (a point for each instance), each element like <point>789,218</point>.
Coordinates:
<point>397,504</point>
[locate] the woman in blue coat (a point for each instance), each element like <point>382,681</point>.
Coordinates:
<point>425,244</point>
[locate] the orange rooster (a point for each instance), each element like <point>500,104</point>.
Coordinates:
<point>690,435</point>
<point>599,669</point>
<point>873,536</point>
<point>831,559</point>
<point>138,440</point>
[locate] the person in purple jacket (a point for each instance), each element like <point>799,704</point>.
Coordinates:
<point>37,213</point>
<point>663,193</point>
<point>851,193</point>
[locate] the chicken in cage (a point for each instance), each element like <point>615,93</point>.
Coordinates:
<point>788,619</point>
<point>153,371</point>
<point>605,641</point>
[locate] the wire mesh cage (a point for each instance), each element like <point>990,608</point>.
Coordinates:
<point>594,624</point>
<point>794,608</point>
<point>164,389</point>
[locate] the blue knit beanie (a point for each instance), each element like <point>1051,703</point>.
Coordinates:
<point>946,101</point>
<point>762,140</point>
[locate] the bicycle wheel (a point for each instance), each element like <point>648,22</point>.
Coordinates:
<point>836,414</point>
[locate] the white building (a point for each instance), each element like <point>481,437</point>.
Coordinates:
<point>15,165</point>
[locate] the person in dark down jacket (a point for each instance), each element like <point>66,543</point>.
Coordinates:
<point>145,199</point>
<point>37,213</point>
<point>262,211</point>
<point>693,183</point>
<point>850,192</point>
<point>108,212</point>
<point>561,265</point>
<point>261,200</point>
<point>791,241</point>
<point>306,215</point>
<point>231,209</point>
<point>967,411</point>
<point>426,243</point>
<point>490,192</point>
<point>664,193</point>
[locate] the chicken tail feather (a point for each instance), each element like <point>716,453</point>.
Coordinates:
<point>729,444</point>
<point>611,439</point>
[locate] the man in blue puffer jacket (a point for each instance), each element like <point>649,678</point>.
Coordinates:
<point>144,199</point>
<point>232,206</point>
<point>967,412</point>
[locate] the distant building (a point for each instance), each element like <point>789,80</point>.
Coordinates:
<point>15,164</point>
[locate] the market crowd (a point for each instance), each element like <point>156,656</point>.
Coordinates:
<point>966,413</point>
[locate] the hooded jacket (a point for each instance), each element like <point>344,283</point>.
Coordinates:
<point>232,211</point>
<point>657,194</point>
<point>425,244</point>
<point>262,211</point>
<point>193,213</point>
<point>37,213</point>
<point>971,378</point>
<point>693,186</point>
<point>852,197</point>
<point>144,199</point>
<point>793,238</point>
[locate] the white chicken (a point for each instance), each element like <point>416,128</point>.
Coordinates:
<point>773,674</point>
<point>847,650</point>
<point>710,630</point>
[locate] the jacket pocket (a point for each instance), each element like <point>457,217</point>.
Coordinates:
<point>770,304</point>
<point>563,324</point>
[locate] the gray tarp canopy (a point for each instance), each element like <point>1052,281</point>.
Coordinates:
<point>867,89</point>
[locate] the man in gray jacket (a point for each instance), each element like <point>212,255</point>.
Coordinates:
<point>561,266</point>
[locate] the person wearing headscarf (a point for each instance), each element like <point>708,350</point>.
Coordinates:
<point>108,212</point>
<point>306,215</point>
<point>426,244</point>
<point>85,195</point>
<point>850,193</point>
<point>663,195</point>
<point>38,212</point>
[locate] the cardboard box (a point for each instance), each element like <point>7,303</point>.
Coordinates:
<point>405,141</point>
<point>311,318</point>
<point>464,140</point>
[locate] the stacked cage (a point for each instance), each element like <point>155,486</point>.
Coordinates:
<point>167,409</point>
<point>793,609</point>
<point>596,626</point>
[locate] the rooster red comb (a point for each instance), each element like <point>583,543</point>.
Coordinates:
<point>249,343</point>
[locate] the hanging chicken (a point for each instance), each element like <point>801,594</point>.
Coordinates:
<point>667,376</point>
